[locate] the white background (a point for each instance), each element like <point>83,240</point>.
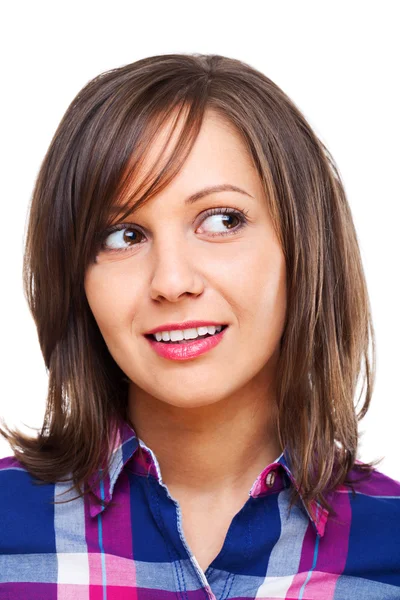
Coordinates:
<point>338,61</point>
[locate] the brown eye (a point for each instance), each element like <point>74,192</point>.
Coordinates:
<point>222,222</point>
<point>120,236</point>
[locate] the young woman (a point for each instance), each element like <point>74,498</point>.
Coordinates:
<point>194,274</point>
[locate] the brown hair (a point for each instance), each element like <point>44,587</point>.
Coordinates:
<point>94,156</point>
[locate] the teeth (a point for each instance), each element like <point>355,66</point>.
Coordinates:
<point>187,334</point>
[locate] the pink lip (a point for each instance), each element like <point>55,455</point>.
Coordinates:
<point>182,326</point>
<point>188,350</point>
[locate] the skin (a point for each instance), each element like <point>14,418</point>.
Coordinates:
<point>211,420</point>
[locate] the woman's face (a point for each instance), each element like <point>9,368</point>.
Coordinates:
<point>172,263</point>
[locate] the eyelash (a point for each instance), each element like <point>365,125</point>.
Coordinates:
<point>236,212</point>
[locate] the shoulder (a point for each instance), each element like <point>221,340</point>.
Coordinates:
<point>374,495</point>
<point>10,463</point>
<point>368,517</point>
<point>12,472</point>
<point>373,489</point>
<point>26,509</point>
<point>368,500</point>
<point>17,485</point>
<point>375,505</point>
<point>12,475</point>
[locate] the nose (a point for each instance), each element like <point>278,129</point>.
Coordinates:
<point>174,273</point>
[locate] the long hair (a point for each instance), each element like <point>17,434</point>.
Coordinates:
<point>95,155</point>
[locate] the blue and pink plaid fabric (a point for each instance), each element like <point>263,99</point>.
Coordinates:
<point>135,548</point>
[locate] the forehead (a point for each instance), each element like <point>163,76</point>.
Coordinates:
<point>218,154</point>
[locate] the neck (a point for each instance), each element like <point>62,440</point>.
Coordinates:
<point>211,448</point>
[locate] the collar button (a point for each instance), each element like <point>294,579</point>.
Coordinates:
<point>270,479</point>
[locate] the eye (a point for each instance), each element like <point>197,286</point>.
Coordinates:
<point>231,220</point>
<point>223,221</point>
<point>117,236</point>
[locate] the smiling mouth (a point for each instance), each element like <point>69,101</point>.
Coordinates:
<point>150,336</point>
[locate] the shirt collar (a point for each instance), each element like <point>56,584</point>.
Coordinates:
<point>125,447</point>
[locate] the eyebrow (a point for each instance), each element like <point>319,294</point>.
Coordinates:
<point>212,189</point>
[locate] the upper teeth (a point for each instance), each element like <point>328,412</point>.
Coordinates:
<point>187,334</point>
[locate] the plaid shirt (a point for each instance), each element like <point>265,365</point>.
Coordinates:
<point>135,547</point>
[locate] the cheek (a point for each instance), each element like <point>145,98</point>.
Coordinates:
<point>109,304</point>
<point>262,287</point>
<point>263,307</point>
